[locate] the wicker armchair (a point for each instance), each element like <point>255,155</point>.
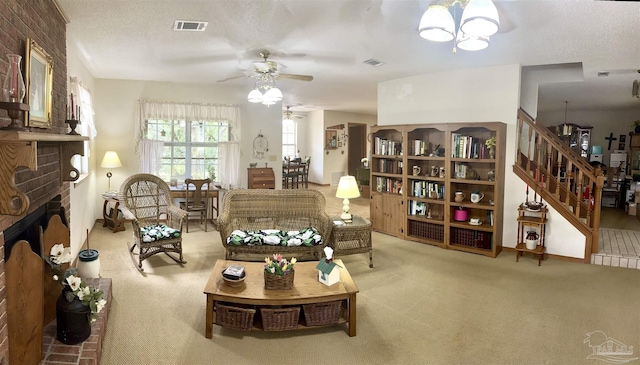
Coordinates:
<point>146,200</point>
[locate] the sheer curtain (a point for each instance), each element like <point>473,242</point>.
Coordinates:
<point>150,153</point>
<point>86,127</point>
<point>228,164</point>
<point>167,110</point>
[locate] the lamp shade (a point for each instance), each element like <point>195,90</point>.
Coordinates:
<point>110,160</point>
<point>437,24</point>
<point>480,18</point>
<point>347,188</point>
<point>470,42</point>
<point>272,96</point>
<point>255,96</point>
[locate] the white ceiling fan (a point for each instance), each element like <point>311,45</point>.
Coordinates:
<point>267,69</point>
<point>288,114</point>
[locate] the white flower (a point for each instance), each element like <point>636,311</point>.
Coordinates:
<point>272,240</point>
<point>100,304</point>
<point>293,233</point>
<point>57,249</point>
<point>55,277</point>
<point>74,282</point>
<point>364,159</point>
<point>294,260</point>
<point>83,292</point>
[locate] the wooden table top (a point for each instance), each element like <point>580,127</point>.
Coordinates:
<point>306,287</point>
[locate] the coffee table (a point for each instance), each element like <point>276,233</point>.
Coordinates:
<point>306,290</point>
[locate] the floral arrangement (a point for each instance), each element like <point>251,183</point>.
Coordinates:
<point>89,296</point>
<point>279,266</point>
<point>491,142</point>
<point>636,123</point>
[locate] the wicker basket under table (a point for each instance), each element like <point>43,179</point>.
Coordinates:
<point>280,319</point>
<point>320,314</point>
<point>234,317</point>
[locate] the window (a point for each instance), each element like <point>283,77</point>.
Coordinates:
<point>289,147</point>
<point>190,147</point>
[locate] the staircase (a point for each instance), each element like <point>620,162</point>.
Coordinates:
<point>562,178</point>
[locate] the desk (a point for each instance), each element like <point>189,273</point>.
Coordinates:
<point>112,216</point>
<point>180,192</point>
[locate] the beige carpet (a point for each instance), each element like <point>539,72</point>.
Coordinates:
<point>419,305</point>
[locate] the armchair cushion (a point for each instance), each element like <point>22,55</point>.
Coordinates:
<point>157,232</point>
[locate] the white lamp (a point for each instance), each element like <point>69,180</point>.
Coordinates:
<point>347,189</point>
<point>110,161</point>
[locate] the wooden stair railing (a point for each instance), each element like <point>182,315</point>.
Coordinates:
<point>561,177</point>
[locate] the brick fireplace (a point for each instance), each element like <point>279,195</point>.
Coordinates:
<point>42,21</point>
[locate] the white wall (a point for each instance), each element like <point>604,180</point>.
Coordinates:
<point>337,160</point>
<point>490,94</point>
<point>82,208</point>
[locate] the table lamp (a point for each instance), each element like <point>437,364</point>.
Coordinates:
<point>110,161</point>
<point>347,188</point>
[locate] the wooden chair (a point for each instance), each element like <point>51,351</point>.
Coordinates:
<point>290,175</point>
<point>157,223</point>
<point>304,172</point>
<point>197,199</point>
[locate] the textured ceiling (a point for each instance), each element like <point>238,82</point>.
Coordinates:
<point>133,39</point>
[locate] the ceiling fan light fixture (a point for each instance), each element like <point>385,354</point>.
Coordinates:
<point>255,96</point>
<point>471,43</point>
<point>272,96</point>
<point>437,24</point>
<point>480,18</point>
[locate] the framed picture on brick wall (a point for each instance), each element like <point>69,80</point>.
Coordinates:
<point>39,84</point>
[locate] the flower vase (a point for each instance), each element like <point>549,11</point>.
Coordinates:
<point>492,152</point>
<point>13,89</point>
<point>274,282</point>
<point>72,319</point>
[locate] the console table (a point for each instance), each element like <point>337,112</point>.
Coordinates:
<point>306,290</point>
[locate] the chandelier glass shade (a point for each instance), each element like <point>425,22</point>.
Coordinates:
<point>471,30</point>
<point>265,91</point>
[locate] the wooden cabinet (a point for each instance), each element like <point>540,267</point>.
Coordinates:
<point>261,178</point>
<point>424,166</point>
<point>387,214</point>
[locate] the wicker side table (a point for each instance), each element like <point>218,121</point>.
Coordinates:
<point>350,238</point>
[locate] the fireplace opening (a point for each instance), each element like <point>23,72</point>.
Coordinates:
<point>28,228</point>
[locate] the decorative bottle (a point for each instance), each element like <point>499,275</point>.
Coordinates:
<point>13,89</point>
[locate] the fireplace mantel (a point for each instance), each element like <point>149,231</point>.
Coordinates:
<point>19,149</point>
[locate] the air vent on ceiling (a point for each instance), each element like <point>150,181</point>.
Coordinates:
<point>635,90</point>
<point>373,62</point>
<point>189,26</point>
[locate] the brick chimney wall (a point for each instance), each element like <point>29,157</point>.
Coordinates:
<point>41,21</point>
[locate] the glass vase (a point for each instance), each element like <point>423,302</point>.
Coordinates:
<point>13,89</point>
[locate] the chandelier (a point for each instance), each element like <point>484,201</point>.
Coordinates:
<point>265,91</point>
<point>469,23</point>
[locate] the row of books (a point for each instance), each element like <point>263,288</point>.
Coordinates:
<point>426,189</point>
<point>468,147</point>
<point>418,208</point>
<point>460,170</point>
<point>388,185</point>
<point>419,148</point>
<point>384,146</point>
<point>390,166</point>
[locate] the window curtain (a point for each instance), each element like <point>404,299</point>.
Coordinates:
<point>228,164</point>
<point>86,127</point>
<point>167,110</point>
<point>150,153</point>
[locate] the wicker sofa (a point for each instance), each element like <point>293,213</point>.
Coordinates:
<point>267,209</point>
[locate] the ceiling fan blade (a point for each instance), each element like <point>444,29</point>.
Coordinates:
<point>296,77</point>
<point>231,78</point>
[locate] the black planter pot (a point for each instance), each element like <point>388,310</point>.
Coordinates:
<point>637,130</point>
<point>72,320</point>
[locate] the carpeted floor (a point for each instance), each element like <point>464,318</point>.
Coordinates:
<point>418,305</point>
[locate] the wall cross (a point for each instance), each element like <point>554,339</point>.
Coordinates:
<point>611,138</point>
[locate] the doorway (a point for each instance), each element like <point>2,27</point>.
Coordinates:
<point>357,147</point>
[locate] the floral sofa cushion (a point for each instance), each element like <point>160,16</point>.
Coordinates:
<point>157,232</point>
<point>274,237</point>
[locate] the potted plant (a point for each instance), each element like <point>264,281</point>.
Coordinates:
<point>278,273</point>
<point>491,145</point>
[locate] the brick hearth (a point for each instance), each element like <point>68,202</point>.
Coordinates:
<point>88,352</point>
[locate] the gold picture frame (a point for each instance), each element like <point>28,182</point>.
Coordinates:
<point>39,85</point>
